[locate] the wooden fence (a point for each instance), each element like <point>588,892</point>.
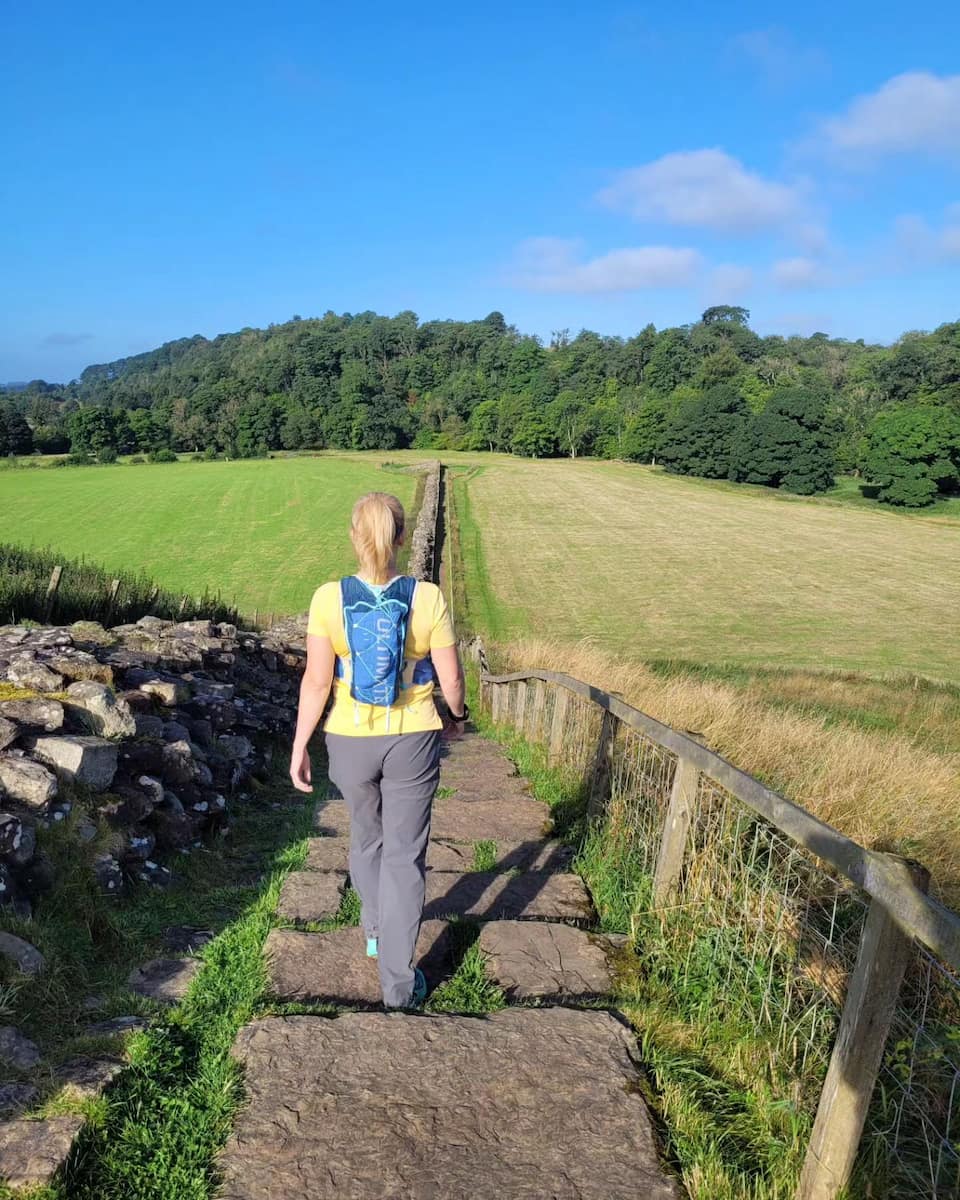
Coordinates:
<point>839,928</point>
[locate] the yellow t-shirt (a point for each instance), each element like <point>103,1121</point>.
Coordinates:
<point>429,628</point>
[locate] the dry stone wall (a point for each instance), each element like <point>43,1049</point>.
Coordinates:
<point>151,729</point>
<point>423,541</point>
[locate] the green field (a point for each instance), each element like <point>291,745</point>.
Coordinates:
<point>659,566</point>
<point>265,532</point>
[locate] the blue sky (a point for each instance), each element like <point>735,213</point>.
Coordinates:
<point>176,169</point>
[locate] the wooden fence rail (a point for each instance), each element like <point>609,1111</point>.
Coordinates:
<point>899,912</point>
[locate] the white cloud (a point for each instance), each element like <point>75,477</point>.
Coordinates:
<point>918,242</point>
<point>728,282</point>
<point>704,188</point>
<point>794,274</point>
<point>911,113</point>
<point>778,56</point>
<point>555,265</point>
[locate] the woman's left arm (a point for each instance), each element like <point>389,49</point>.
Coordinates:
<point>314,690</point>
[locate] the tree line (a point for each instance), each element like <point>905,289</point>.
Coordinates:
<point>712,398</point>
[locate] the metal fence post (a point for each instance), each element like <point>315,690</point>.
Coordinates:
<point>676,827</point>
<point>858,1050</point>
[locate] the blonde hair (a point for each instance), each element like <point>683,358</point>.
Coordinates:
<point>376,527</point>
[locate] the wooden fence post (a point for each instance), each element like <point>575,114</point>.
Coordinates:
<point>676,827</point>
<point>520,712</point>
<point>600,784</point>
<point>55,576</point>
<point>112,596</point>
<point>858,1050</point>
<point>536,715</point>
<point>495,702</point>
<point>561,700</point>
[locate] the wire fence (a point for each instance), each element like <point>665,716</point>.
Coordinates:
<point>741,925</point>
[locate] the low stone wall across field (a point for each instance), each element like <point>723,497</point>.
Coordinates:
<point>152,729</point>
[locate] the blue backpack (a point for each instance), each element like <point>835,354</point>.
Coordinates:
<point>375,626</point>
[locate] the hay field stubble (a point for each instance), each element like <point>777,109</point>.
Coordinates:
<point>655,566</point>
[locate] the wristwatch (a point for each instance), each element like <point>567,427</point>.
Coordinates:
<point>460,720</point>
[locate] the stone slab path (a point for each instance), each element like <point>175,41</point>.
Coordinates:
<point>525,1102</point>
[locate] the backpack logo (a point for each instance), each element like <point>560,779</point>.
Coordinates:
<point>375,627</point>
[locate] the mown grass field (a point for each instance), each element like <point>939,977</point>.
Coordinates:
<point>659,567</point>
<point>265,533</point>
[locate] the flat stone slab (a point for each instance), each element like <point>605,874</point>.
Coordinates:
<point>333,967</point>
<point>89,1076</point>
<point>327,854</point>
<point>31,1152</point>
<point>541,960</point>
<point>525,1103</point>
<point>332,819</point>
<point>164,979</point>
<point>493,896</point>
<point>332,854</point>
<point>311,895</point>
<point>498,818</point>
<point>535,855</point>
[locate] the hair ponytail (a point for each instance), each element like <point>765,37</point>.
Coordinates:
<point>375,529</point>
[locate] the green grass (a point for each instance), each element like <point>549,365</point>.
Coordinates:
<point>155,1134</point>
<point>485,855</point>
<point>263,532</point>
<point>657,566</point>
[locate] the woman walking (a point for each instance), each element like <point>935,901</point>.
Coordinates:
<point>380,640</point>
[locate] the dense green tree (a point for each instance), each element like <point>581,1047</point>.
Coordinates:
<point>912,454</point>
<point>569,418</point>
<point>345,380</point>
<point>700,437</point>
<point>16,436</point>
<point>789,444</point>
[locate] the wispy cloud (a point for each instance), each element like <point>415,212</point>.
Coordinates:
<point>66,339</point>
<point>557,265</point>
<point>707,189</point>
<point>917,241</point>
<point>728,282</point>
<point>775,53</point>
<point>796,274</point>
<point>917,112</point>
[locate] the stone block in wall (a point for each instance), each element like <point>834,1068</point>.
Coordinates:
<point>37,714</point>
<point>9,732</point>
<point>79,665</point>
<point>102,711</point>
<point>27,781</point>
<point>91,761</point>
<point>168,690</point>
<point>108,874</point>
<point>28,673</point>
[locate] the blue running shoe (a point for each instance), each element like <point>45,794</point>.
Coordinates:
<point>371,947</point>
<point>419,988</point>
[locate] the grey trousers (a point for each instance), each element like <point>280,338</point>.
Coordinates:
<point>388,782</point>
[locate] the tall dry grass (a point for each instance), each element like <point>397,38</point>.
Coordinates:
<point>881,788</point>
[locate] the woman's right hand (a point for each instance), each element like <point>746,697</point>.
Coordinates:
<point>452,730</point>
<point>300,769</point>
